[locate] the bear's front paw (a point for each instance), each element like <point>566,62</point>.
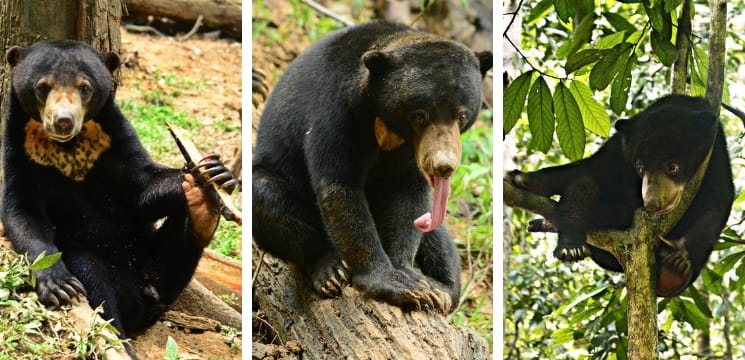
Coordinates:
<point>212,170</point>
<point>330,278</point>
<point>397,288</point>
<point>542,225</point>
<point>57,287</point>
<point>528,182</point>
<point>571,254</point>
<point>674,273</point>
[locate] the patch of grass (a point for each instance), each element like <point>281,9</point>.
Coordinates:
<point>29,331</point>
<point>227,240</point>
<point>472,226</point>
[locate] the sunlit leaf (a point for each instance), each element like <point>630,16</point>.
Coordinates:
<point>582,58</point>
<point>569,126</point>
<point>541,115</point>
<point>514,100</point>
<point>594,116</point>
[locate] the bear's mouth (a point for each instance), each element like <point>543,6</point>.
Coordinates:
<point>432,220</point>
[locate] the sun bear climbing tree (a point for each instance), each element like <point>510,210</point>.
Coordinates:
<point>78,181</point>
<point>646,164</point>
<point>353,136</point>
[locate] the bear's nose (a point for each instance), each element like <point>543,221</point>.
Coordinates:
<point>444,163</point>
<point>652,205</point>
<point>63,122</point>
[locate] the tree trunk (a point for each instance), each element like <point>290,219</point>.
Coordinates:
<point>352,327</point>
<point>218,14</point>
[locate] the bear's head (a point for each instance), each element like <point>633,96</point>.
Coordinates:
<point>666,144</point>
<point>426,91</point>
<point>62,84</point>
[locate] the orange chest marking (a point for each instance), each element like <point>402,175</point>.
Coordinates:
<point>72,161</point>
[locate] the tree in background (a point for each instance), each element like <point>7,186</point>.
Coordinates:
<point>575,59</point>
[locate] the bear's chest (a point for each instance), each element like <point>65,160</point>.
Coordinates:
<point>72,160</point>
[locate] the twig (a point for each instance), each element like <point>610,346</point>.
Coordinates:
<point>143,29</point>
<point>193,30</point>
<point>321,9</point>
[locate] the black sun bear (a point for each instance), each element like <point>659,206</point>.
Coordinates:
<point>355,133</point>
<point>646,164</point>
<point>78,181</point>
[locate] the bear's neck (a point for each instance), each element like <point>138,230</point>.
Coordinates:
<point>73,159</point>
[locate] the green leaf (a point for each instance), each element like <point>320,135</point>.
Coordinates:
<point>514,100</point>
<point>603,72</point>
<point>655,16</point>
<point>671,5</point>
<point>565,9</point>
<point>609,41</point>
<point>594,116</point>
<point>538,10</point>
<point>619,93</point>
<point>728,262</point>
<point>569,127</point>
<point>541,115</point>
<point>562,336</point>
<point>581,58</point>
<point>664,48</point>
<point>45,261</point>
<point>618,22</point>
<point>582,32</point>
<point>700,300</point>
<point>171,349</point>
<point>693,315</point>
<point>712,281</point>
<point>700,69</point>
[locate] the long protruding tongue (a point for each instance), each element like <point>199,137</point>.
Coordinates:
<point>433,220</point>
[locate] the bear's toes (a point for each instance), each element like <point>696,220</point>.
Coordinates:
<point>213,170</point>
<point>542,225</point>
<point>330,280</point>
<point>571,254</point>
<point>60,291</point>
<point>528,182</point>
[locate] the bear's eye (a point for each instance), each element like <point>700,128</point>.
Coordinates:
<point>462,119</point>
<point>42,90</point>
<point>419,118</point>
<point>85,91</point>
<point>673,168</point>
<point>639,167</point>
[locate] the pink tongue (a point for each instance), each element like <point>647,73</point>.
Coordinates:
<point>429,222</point>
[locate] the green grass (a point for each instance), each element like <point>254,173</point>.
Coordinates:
<point>472,226</point>
<point>29,331</point>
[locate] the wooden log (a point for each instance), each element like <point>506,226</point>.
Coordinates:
<point>354,327</point>
<point>218,14</point>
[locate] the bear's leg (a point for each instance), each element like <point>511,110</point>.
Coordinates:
<point>605,259</point>
<point>288,225</point>
<point>438,259</point>
<point>572,213</point>
<point>114,287</point>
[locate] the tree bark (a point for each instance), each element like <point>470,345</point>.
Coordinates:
<point>353,327</point>
<point>218,14</point>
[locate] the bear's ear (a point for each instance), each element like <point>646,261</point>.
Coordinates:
<point>111,59</point>
<point>621,125</point>
<point>379,61</point>
<point>486,61</point>
<point>14,55</point>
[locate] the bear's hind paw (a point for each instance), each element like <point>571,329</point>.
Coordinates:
<point>571,254</point>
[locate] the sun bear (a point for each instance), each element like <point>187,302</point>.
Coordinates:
<point>78,181</point>
<point>354,135</point>
<point>646,164</point>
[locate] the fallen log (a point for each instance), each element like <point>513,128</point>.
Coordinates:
<point>218,14</point>
<point>351,326</point>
